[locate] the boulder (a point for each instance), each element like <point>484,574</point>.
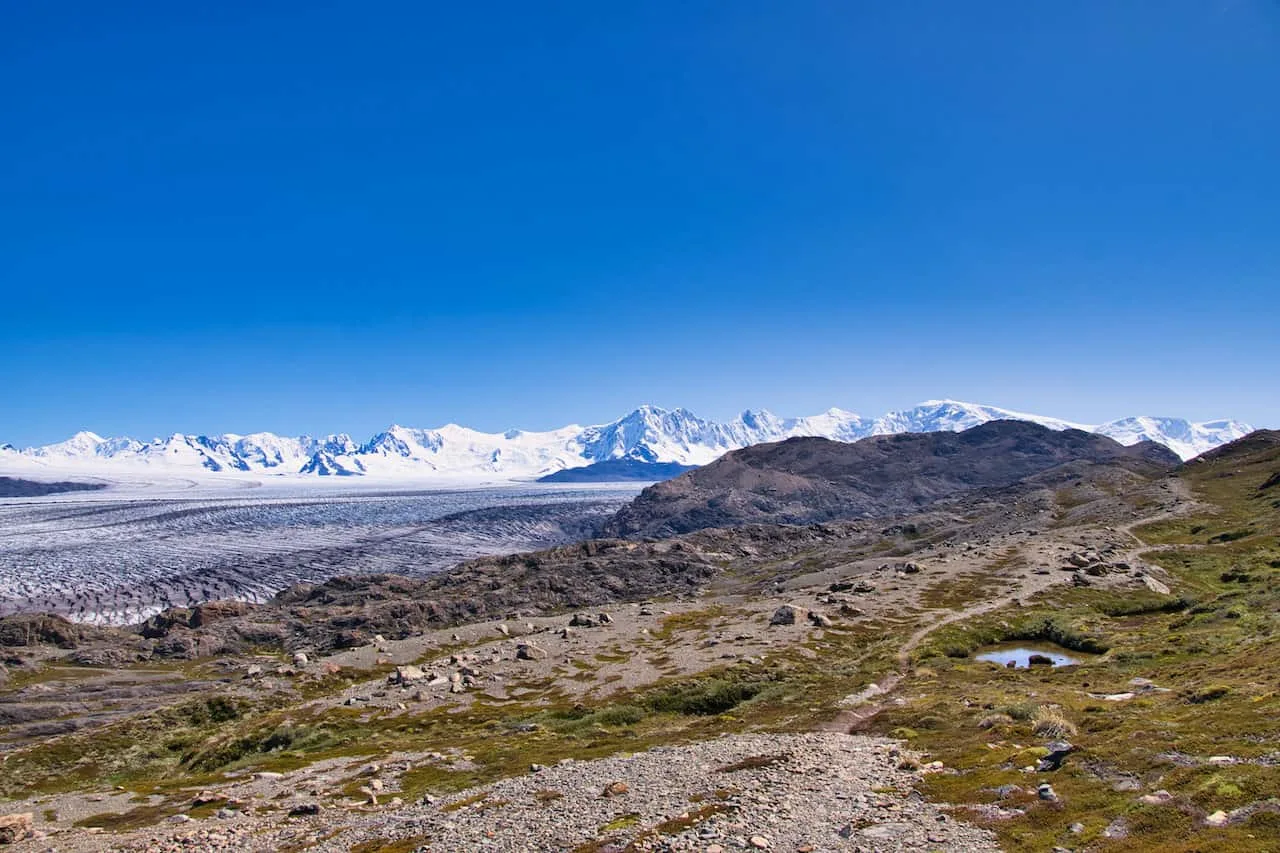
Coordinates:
<point>15,827</point>
<point>406,674</point>
<point>615,789</point>
<point>1058,751</point>
<point>820,620</point>
<point>1039,660</point>
<point>787,614</point>
<point>528,651</point>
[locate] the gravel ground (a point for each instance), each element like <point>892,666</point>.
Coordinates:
<point>802,792</point>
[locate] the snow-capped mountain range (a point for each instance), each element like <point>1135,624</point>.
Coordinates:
<point>648,434</point>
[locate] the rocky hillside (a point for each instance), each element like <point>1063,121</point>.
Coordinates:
<point>14,487</point>
<point>804,480</point>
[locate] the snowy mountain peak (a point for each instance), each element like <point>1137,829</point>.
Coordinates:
<point>647,434</point>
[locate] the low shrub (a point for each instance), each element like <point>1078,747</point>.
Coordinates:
<point>1211,693</point>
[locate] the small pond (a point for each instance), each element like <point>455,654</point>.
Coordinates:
<point>1020,656</point>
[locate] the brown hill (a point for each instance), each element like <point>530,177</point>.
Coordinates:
<point>805,480</point>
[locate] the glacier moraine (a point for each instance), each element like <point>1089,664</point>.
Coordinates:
<point>110,559</point>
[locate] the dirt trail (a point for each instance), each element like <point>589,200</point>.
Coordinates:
<point>871,700</point>
<point>874,698</point>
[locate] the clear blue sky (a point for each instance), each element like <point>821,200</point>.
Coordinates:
<point>314,217</point>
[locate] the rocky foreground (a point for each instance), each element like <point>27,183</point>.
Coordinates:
<point>804,792</point>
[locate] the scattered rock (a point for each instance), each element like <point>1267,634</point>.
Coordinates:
<point>1117,829</point>
<point>528,651</point>
<point>406,675</point>
<point>820,620</point>
<point>786,615</point>
<point>1058,751</point>
<point>15,827</point>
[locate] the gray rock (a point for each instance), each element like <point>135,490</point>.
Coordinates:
<point>528,651</point>
<point>1058,751</point>
<point>406,675</point>
<point>787,614</point>
<point>820,620</point>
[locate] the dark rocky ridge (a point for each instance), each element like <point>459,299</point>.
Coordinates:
<point>618,470</point>
<point>804,480</point>
<point>14,487</point>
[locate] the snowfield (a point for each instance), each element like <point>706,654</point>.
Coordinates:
<point>121,555</point>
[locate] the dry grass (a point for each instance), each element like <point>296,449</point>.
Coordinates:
<point>1050,722</point>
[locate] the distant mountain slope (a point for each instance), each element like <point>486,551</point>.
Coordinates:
<point>618,470</point>
<point>803,480</point>
<point>11,487</point>
<point>646,435</point>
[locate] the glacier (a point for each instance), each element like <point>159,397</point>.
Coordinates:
<point>456,454</point>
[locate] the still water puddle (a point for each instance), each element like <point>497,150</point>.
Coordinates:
<point>1020,656</point>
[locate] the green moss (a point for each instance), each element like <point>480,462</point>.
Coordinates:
<point>624,821</point>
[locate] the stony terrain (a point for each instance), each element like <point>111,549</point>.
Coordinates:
<point>717,677</point>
